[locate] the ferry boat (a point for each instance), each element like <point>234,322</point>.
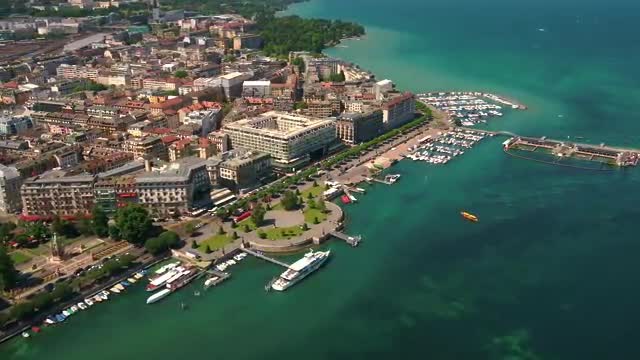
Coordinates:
<point>161,280</point>
<point>469,216</point>
<point>300,269</point>
<point>158,296</point>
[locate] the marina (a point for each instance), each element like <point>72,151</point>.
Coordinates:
<point>469,108</point>
<point>441,149</point>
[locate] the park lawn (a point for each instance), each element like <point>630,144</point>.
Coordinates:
<point>276,233</point>
<point>19,257</point>
<point>311,214</point>
<point>277,206</point>
<point>315,191</point>
<point>252,226</point>
<point>215,242</point>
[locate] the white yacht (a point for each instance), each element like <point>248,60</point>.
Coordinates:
<point>300,269</point>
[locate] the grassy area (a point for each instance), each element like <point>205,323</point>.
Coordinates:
<point>246,222</point>
<point>280,233</point>
<point>19,257</point>
<point>315,191</point>
<point>311,214</point>
<point>215,242</point>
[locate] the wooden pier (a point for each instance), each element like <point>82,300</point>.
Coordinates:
<point>264,257</point>
<point>351,240</point>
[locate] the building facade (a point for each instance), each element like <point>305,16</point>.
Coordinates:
<point>10,182</point>
<point>67,195</point>
<point>354,128</point>
<point>289,139</point>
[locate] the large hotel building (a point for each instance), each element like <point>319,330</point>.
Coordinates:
<point>289,139</point>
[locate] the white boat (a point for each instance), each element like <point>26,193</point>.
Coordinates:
<point>138,276</point>
<point>210,281</point>
<point>297,271</point>
<point>25,335</point>
<point>167,267</point>
<point>82,306</point>
<point>74,309</point>
<point>66,312</point>
<point>88,301</point>
<point>115,290</point>
<point>119,287</point>
<point>161,280</point>
<point>132,280</point>
<point>177,276</point>
<point>158,296</point>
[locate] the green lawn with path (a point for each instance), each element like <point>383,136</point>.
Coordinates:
<point>311,214</point>
<point>280,233</point>
<point>19,257</point>
<point>215,242</point>
<point>315,191</point>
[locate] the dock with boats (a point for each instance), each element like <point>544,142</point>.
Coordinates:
<point>469,107</point>
<point>442,149</point>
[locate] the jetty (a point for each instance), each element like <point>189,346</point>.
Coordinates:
<point>379,181</point>
<point>264,257</point>
<point>566,149</point>
<point>351,240</point>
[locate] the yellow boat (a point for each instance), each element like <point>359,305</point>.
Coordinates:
<point>469,216</point>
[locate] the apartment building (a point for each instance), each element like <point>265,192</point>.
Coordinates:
<point>354,128</point>
<point>289,139</point>
<point>56,194</point>
<point>398,110</point>
<point>149,147</point>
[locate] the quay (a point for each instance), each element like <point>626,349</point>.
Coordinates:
<point>264,257</point>
<point>351,240</point>
<point>222,276</point>
<point>379,181</point>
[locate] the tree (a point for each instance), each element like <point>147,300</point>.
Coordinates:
<point>207,250</point>
<point>181,74</point>
<point>305,227</point>
<point>321,206</point>
<point>162,243</point>
<point>262,234</point>
<point>64,228</point>
<point>37,230</point>
<point>311,204</point>
<point>309,196</point>
<point>234,235</point>
<point>194,244</point>
<point>134,223</point>
<point>8,273</point>
<point>289,200</point>
<point>246,228</point>
<point>315,183</point>
<point>84,226</point>
<point>257,215</point>
<point>99,221</point>
<point>114,233</point>
<point>190,228</point>
<point>315,220</point>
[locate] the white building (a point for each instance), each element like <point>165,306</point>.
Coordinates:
<point>289,139</point>
<point>259,88</point>
<point>382,87</point>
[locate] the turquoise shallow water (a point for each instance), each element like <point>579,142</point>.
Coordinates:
<point>549,272</point>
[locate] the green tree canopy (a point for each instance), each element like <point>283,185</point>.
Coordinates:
<point>8,273</point>
<point>134,223</point>
<point>181,74</point>
<point>257,214</point>
<point>162,243</point>
<point>99,221</point>
<point>289,200</point>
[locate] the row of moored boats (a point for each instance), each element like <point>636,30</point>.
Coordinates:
<point>236,259</point>
<point>168,279</point>
<point>94,299</point>
<point>442,149</point>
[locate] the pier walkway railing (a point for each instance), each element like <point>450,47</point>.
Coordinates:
<point>264,257</point>
<point>351,240</point>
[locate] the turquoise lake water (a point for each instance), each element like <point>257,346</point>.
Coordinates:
<point>549,272</point>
